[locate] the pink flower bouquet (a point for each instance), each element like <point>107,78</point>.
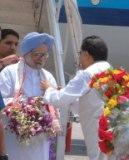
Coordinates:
<point>31,117</point>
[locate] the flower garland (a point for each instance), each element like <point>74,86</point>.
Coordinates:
<point>31,117</point>
<point>113,86</point>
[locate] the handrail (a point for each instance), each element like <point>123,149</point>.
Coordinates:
<point>37,6</point>
<point>40,14</point>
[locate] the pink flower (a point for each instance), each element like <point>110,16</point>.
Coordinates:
<point>122,99</point>
<point>33,131</point>
<point>30,117</point>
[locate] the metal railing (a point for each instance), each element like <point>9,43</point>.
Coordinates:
<point>37,6</point>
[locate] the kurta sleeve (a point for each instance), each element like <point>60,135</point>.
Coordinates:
<point>76,87</point>
<point>6,85</point>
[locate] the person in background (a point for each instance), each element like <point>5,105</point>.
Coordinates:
<point>93,60</point>
<point>8,47</point>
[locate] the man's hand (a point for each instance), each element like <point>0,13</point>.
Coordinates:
<point>59,87</point>
<point>10,59</point>
<point>45,85</point>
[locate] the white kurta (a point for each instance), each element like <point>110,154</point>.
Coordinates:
<point>90,104</point>
<point>39,146</point>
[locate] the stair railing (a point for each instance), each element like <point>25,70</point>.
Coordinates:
<point>37,6</point>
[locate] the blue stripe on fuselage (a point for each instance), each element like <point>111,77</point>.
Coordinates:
<point>101,16</point>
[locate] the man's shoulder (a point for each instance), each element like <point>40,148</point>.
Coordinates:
<point>11,67</point>
<point>97,67</point>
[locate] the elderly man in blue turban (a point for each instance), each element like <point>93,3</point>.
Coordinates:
<point>24,78</point>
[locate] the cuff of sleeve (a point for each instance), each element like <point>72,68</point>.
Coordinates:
<point>50,89</point>
<point>46,96</point>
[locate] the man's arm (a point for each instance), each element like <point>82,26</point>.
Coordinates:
<point>6,85</point>
<point>8,60</point>
<point>76,87</point>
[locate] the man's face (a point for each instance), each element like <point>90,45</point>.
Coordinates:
<point>38,57</point>
<point>85,60</point>
<point>8,46</point>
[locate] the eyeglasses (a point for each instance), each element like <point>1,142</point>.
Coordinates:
<point>81,52</point>
<point>78,53</point>
<point>39,54</point>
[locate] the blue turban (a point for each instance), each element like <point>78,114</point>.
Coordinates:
<point>34,40</point>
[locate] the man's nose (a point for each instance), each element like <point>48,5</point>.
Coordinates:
<point>13,47</point>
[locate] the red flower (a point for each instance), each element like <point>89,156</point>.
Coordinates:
<point>92,82</point>
<point>101,75</point>
<point>103,123</point>
<point>108,93</point>
<point>126,94</point>
<point>105,146</point>
<point>119,77</point>
<point>105,135</point>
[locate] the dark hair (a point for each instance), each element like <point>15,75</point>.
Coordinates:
<point>5,32</point>
<point>96,47</point>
